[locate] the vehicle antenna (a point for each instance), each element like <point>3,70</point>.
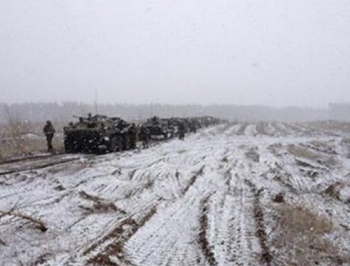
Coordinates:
<point>95,101</point>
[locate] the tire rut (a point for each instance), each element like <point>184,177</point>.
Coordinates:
<point>203,238</point>
<point>118,237</point>
<point>37,167</point>
<point>241,130</point>
<point>231,228</point>
<point>266,257</point>
<point>193,179</point>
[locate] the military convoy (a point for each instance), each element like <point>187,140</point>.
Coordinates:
<point>99,133</point>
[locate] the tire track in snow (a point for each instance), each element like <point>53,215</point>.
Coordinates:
<point>174,227</point>
<point>233,130</point>
<point>203,237</point>
<point>37,166</point>
<point>246,173</point>
<point>264,129</point>
<point>161,234</point>
<point>242,218</point>
<point>266,256</point>
<point>220,232</point>
<point>100,250</point>
<point>193,179</point>
<point>231,227</point>
<point>112,244</point>
<point>279,129</point>
<point>251,130</point>
<point>242,129</point>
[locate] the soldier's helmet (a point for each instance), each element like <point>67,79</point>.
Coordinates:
<point>48,122</point>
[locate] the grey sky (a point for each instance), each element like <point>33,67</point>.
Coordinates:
<point>270,52</point>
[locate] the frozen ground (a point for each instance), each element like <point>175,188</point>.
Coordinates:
<point>227,195</point>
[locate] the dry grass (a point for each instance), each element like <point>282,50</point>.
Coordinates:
<point>13,133</point>
<point>13,148</point>
<point>303,220</point>
<point>335,189</point>
<point>300,237</point>
<point>19,138</point>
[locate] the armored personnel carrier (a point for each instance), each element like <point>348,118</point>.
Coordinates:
<point>96,134</point>
<point>157,128</point>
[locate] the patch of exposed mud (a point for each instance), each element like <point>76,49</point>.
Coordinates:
<point>193,179</point>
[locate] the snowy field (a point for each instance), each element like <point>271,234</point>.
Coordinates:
<point>234,194</point>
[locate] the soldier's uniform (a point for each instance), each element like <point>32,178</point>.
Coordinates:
<point>132,133</point>
<point>49,132</point>
<point>145,136</point>
<point>89,118</point>
<point>181,129</point>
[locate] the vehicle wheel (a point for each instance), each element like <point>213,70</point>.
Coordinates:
<point>126,142</point>
<point>67,147</point>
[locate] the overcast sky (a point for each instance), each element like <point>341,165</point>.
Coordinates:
<point>268,52</point>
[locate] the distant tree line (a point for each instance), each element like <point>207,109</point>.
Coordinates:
<point>39,112</point>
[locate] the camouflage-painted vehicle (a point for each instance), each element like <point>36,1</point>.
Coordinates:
<point>96,134</point>
<point>157,128</point>
<point>173,127</point>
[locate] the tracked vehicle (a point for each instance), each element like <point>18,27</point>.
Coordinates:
<point>96,134</point>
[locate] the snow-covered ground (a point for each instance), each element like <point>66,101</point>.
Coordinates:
<point>211,199</point>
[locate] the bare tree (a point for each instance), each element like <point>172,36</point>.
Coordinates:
<point>16,128</point>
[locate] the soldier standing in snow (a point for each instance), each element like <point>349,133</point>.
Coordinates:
<point>89,118</point>
<point>133,135</point>
<point>144,136</point>
<point>49,131</point>
<point>181,131</point>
